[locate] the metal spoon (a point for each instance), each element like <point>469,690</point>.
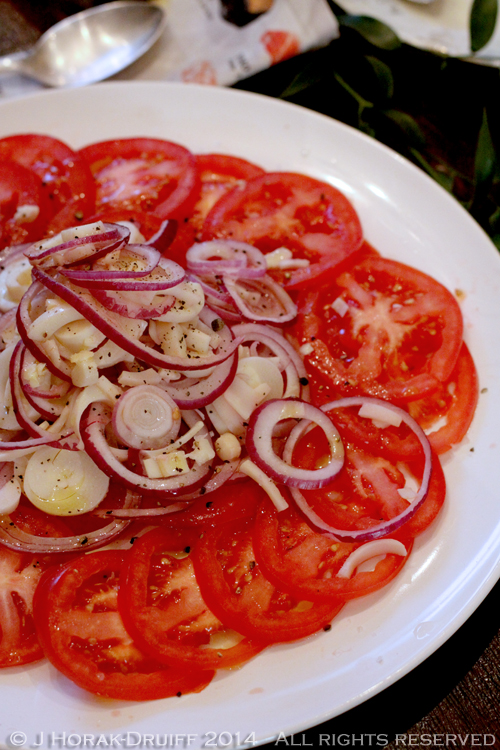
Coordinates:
<point>89,46</point>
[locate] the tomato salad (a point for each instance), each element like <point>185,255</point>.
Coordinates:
<point>222,416</point>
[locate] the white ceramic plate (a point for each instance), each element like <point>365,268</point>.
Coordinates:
<point>374,641</point>
<point>439,26</point>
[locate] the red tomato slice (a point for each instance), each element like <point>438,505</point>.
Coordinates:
<point>380,329</point>
<point>235,588</point>
<point>66,178</point>
<point>19,577</point>
<point>163,609</point>
<point>227,503</point>
<point>24,209</point>
<point>305,562</point>
<point>143,174</point>
<point>447,414</point>
<point>366,490</point>
<point>219,173</point>
<point>311,218</point>
<point>83,635</point>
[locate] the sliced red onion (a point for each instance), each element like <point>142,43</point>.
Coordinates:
<point>146,418</point>
<point>259,443</point>
<point>164,236</point>
<point>261,299</point>
<point>93,425</point>
<point>196,392</point>
<point>226,258</point>
<point>164,274</point>
<point>290,362</point>
<point>48,255</point>
<point>386,527</point>
<point>60,369</point>
<point>18,400</point>
<point>11,450</point>
<point>129,262</point>
<point>49,403</point>
<point>112,327</point>
<point>143,309</point>
<point>14,538</point>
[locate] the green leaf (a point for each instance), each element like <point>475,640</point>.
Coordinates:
<point>485,156</point>
<point>442,178</point>
<point>407,124</point>
<point>309,76</point>
<point>375,32</point>
<point>383,75</point>
<point>483,18</point>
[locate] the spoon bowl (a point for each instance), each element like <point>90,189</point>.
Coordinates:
<point>90,46</point>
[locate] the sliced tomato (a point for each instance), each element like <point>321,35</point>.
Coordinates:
<point>24,210</point>
<point>305,562</point>
<point>219,173</point>
<point>147,223</point>
<point>311,218</point>
<point>382,329</point>
<point>19,576</point>
<point>162,606</point>
<point>236,590</point>
<point>229,502</point>
<point>66,178</point>
<point>143,174</point>
<point>83,635</point>
<point>366,491</point>
<point>447,414</point>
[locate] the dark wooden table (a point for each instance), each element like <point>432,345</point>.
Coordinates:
<point>453,698</point>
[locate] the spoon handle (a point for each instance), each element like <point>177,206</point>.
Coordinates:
<point>13,62</point>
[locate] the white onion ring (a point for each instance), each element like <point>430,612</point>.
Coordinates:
<point>146,418</point>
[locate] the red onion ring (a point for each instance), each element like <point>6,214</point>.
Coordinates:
<point>197,392</point>
<point>92,428</point>
<point>111,326</point>
<point>164,274</point>
<point>260,447</point>
<point>78,249</point>
<point>226,258</point>
<point>386,527</point>
<point>14,538</point>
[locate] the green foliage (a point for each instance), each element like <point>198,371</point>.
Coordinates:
<point>435,110</point>
<point>483,18</point>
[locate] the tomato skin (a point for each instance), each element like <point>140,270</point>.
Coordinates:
<point>19,576</point>
<point>456,400</point>
<point>227,503</point>
<point>143,174</point>
<point>365,491</point>
<point>218,174</point>
<point>311,218</point>
<point>20,187</point>
<point>67,182</point>
<point>295,557</point>
<point>236,590</point>
<point>173,625</point>
<point>398,339</point>
<point>82,634</point>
